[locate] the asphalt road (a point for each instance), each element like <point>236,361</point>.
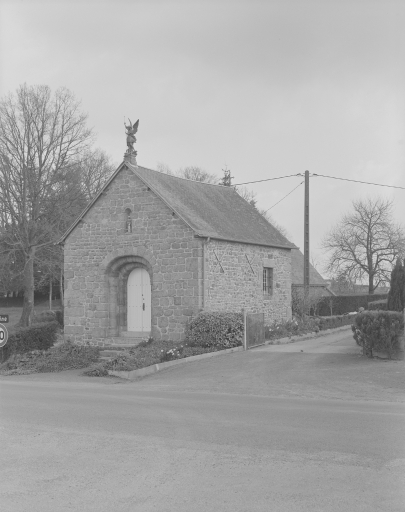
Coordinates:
<point>273,429</point>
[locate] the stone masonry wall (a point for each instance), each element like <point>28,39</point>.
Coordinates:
<point>159,238</point>
<point>234,279</point>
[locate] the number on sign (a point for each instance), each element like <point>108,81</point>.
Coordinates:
<point>3,335</point>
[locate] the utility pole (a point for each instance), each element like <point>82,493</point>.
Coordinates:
<point>306,243</point>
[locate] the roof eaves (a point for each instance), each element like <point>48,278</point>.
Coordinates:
<point>234,240</point>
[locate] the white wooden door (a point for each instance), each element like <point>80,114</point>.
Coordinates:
<point>139,301</point>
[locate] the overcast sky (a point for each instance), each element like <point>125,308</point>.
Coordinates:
<point>267,88</point>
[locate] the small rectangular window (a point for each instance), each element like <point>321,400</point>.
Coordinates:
<point>268,281</point>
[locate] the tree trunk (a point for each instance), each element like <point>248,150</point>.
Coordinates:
<point>371,284</point>
<point>61,287</point>
<point>50,293</point>
<point>28,303</point>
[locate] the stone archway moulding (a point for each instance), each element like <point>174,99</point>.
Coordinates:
<point>116,267</point>
<point>140,250</point>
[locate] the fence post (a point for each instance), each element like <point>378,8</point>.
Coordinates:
<point>244,329</point>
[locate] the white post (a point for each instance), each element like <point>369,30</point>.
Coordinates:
<point>244,329</point>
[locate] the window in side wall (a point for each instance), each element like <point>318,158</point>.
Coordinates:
<point>267,281</point>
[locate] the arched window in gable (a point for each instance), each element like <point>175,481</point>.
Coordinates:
<point>128,221</point>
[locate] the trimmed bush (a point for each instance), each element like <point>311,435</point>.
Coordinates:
<point>378,305</point>
<point>26,339</point>
<point>216,329</point>
<point>378,330</point>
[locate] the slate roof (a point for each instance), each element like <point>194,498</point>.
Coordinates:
<point>297,271</point>
<point>214,211</point>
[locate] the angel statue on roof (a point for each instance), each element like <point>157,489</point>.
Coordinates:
<point>131,139</point>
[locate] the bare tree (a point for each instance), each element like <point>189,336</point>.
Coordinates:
<point>197,174</point>
<point>192,172</point>
<point>41,136</point>
<point>164,168</point>
<point>93,171</point>
<point>250,196</point>
<point>366,243</point>
<point>302,305</point>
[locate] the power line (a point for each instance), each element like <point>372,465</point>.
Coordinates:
<point>322,176</point>
<point>357,181</point>
<point>267,179</point>
<point>284,197</point>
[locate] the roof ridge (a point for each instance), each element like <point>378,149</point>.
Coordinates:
<point>186,179</point>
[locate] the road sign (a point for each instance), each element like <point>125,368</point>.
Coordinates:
<point>3,335</point>
<point>4,319</point>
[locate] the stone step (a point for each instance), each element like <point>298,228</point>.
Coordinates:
<point>135,334</point>
<point>120,346</point>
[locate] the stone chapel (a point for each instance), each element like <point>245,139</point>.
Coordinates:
<point>152,250</point>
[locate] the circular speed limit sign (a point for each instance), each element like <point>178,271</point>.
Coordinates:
<point>3,335</point>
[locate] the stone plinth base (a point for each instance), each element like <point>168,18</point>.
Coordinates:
<point>130,158</point>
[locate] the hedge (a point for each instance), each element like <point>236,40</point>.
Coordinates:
<point>8,302</point>
<point>330,322</point>
<point>36,337</point>
<point>43,317</point>
<point>215,329</point>
<point>378,330</point>
<point>378,305</point>
<point>48,316</point>
<point>341,304</point>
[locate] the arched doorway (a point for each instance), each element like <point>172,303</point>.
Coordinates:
<point>139,301</point>
<point>117,272</point>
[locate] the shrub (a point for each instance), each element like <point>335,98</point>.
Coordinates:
<point>146,354</point>
<point>96,370</point>
<point>65,356</point>
<point>44,317</point>
<point>305,325</point>
<point>378,330</point>
<point>289,328</point>
<point>25,339</point>
<point>60,317</point>
<point>378,304</point>
<point>172,353</point>
<point>215,329</point>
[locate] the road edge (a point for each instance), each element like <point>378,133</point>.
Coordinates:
<point>148,370</point>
